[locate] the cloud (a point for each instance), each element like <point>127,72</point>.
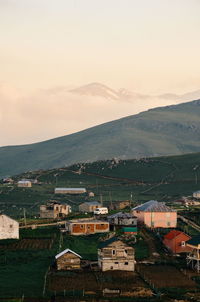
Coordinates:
<point>55,112</point>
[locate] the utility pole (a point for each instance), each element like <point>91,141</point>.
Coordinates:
<point>111,204</point>
<point>24,216</point>
<point>131,199</point>
<point>101,200</point>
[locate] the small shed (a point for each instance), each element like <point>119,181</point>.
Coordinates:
<point>89,206</point>
<point>176,240</point>
<point>68,260</point>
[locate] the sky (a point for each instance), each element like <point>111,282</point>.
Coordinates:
<point>148,47</point>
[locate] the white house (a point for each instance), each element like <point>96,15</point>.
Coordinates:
<point>24,183</point>
<point>9,228</point>
<point>196,194</point>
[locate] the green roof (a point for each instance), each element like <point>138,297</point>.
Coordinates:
<point>129,229</point>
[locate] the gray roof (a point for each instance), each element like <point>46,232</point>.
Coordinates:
<point>153,206</point>
<point>66,251</point>
<point>121,215</point>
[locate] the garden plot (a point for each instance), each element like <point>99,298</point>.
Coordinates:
<point>29,244</point>
<point>165,276</point>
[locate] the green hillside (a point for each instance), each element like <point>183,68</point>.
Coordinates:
<point>161,178</point>
<point>162,131</point>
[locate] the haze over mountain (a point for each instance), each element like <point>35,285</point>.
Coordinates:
<point>161,131</point>
<point>62,110</point>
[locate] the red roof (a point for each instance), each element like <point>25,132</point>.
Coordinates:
<point>174,233</point>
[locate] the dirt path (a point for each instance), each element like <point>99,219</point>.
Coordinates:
<point>153,253</point>
<point>190,223</point>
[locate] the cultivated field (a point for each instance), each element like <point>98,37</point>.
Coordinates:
<point>165,276</point>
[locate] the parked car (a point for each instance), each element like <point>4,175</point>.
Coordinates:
<point>101,211</point>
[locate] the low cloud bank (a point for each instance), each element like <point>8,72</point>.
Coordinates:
<point>51,113</point>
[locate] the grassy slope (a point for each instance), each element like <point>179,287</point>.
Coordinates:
<point>163,178</point>
<point>160,131</point>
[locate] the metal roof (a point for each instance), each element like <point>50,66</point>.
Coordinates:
<point>129,229</point>
<point>175,233</point>
<point>121,215</point>
<point>153,206</point>
<point>66,251</point>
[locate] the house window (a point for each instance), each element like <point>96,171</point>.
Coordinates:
<point>125,251</point>
<point>116,262</point>
<point>182,243</point>
<point>126,263</point>
<point>11,226</point>
<point>113,252</point>
<point>81,226</point>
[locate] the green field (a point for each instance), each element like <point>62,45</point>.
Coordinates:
<point>164,179</point>
<point>23,270</point>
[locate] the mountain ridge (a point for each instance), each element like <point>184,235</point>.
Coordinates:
<point>169,130</point>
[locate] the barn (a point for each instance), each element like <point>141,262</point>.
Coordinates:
<point>72,191</point>
<point>68,260</point>
<point>9,228</point>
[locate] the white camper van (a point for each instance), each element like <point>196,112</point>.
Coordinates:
<point>101,211</point>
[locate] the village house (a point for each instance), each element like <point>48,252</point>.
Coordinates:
<point>122,219</point>
<point>54,209</point>
<point>120,205</point>
<point>155,214</point>
<point>193,258</point>
<point>73,191</point>
<point>24,184</point>
<point>91,194</point>
<point>9,228</point>
<point>89,206</point>
<point>196,194</point>
<point>114,254</point>
<point>68,260</point>
<point>86,226</point>
<point>8,180</point>
<point>175,241</point>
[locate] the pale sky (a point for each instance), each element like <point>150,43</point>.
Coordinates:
<point>147,46</point>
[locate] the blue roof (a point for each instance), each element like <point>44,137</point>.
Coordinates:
<point>153,206</point>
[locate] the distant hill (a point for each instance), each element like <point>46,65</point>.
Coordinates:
<point>161,131</point>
